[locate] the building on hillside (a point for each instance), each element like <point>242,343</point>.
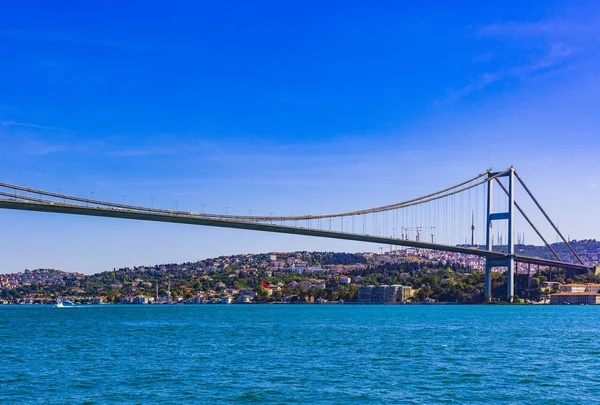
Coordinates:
<point>295,269</point>
<point>550,285</point>
<point>247,291</point>
<point>345,280</point>
<point>314,269</point>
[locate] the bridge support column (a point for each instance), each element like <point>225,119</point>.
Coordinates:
<point>488,281</point>
<point>510,279</point>
<point>510,293</point>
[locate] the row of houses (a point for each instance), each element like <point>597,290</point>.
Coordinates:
<point>39,276</point>
<point>48,301</point>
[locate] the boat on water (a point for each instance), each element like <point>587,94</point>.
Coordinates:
<point>62,302</point>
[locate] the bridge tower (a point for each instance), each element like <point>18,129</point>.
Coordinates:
<point>509,261</point>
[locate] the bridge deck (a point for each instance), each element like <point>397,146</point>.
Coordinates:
<point>72,209</point>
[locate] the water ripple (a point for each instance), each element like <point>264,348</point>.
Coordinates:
<point>276,354</point>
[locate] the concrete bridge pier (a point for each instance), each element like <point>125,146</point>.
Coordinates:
<point>509,264</point>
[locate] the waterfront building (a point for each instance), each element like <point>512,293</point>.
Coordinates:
<point>365,294</point>
<point>199,299</point>
<point>140,299</point>
<point>383,294</point>
<point>404,293</point>
<point>580,288</point>
<point>243,299</point>
<point>577,294</point>
<point>589,298</point>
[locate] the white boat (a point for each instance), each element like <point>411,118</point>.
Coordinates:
<point>62,302</point>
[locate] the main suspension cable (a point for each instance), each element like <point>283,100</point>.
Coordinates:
<point>531,223</point>
<point>549,220</point>
<point>450,191</point>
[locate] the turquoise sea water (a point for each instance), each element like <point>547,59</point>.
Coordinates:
<point>299,354</point>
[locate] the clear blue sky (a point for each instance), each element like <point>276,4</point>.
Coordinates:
<point>290,107</point>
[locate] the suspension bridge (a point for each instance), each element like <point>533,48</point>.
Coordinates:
<point>444,221</point>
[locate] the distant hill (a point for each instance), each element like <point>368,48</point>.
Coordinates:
<point>588,249</point>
